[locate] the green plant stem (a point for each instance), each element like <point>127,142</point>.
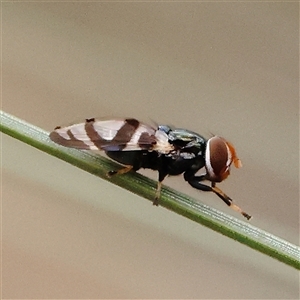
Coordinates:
<point>236,229</point>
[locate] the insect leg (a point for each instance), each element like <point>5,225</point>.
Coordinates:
<point>229,201</point>
<point>161,177</point>
<point>119,172</point>
<point>195,183</point>
<point>157,193</point>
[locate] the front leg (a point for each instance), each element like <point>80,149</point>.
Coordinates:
<point>194,181</point>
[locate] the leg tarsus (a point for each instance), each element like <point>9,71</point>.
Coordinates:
<point>229,201</point>
<point>194,182</point>
<point>157,194</point>
<point>111,173</point>
<point>120,171</point>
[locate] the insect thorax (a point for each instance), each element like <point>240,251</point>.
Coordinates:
<point>187,142</point>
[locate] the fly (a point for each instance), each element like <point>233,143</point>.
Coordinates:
<point>168,151</point>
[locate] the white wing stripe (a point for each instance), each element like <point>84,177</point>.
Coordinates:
<point>63,133</point>
<point>107,130</point>
<point>136,136</point>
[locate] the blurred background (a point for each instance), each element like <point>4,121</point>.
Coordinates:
<point>229,69</point>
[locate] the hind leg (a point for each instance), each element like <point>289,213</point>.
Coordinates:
<point>120,171</point>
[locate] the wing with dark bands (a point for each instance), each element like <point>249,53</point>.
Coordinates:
<point>111,135</point>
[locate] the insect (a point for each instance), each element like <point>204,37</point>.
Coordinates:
<point>168,151</point>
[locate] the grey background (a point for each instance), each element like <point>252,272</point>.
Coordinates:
<point>224,68</point>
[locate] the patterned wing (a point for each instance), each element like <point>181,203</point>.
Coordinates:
<point>112,135</point>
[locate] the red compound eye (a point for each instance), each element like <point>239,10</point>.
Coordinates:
<point>218,157</point>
